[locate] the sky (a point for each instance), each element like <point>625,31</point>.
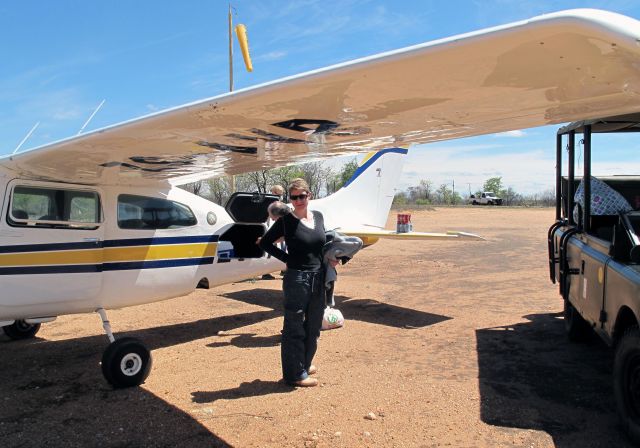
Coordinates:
<point>61,59</point>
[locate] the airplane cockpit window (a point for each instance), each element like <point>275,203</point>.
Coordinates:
<point>54,208</point>
<point>147,213</point>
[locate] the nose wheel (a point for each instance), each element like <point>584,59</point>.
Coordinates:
<point>126,362</point>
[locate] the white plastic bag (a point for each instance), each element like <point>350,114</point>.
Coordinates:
<point>332,319</point>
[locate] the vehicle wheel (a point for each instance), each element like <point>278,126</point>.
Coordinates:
<point>626,382</point>
<point>578,330</point>
<point>21,330</point>
<point>474,203</point>
<point>126,363</point>
<point>490,203</point>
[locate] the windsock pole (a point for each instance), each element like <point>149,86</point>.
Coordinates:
<point>230,51</point>
<point>232,178</point>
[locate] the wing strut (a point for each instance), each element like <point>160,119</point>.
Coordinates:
<point>26,137</point>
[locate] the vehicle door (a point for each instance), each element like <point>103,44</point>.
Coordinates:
<point>50,246</point>
<point>593,259</point>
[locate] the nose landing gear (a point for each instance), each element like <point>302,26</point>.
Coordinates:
<point>126,362</point>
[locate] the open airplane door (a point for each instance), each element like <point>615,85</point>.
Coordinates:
<point>249,211</point>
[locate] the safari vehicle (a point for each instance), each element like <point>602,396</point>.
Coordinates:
<point>594,259</point>
<point>486,198</point>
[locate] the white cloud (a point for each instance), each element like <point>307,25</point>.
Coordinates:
<point>511,134</point>
<point>272,56</point>
<point>527,172</point>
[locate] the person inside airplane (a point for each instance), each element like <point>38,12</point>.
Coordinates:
<point>304,235</point>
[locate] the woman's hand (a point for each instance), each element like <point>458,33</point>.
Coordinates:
<point>334,263</point>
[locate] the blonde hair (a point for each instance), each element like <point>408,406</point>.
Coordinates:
<point>299,184</point>
<point>277,189</point>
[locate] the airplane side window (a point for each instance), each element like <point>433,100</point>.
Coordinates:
<point>147,213</point>
<point>54,208</point>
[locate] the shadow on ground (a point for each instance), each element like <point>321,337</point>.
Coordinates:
<point>57,387</point>
<point>531,377</point>
<point>364,310</point>
<point>247,389</point>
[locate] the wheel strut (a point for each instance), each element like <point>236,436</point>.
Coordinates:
<point>126,362</point>
<point>105,324</point>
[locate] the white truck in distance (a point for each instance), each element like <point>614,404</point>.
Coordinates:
<point>486,198</point>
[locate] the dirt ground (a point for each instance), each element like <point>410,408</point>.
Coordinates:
<point>445,344</point>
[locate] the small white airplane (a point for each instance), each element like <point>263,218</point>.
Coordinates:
<point>96,222</point>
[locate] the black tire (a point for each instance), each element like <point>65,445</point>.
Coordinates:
<point>626,382</point>
<point>126,363</point>
<point>578,330</point>
<point>474,203</point>
<point>21,330</point>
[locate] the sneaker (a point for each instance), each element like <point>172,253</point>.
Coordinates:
<point>307,382</point>
<point>312,370</point>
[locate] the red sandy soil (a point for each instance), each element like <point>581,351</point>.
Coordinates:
<point>446,343</point>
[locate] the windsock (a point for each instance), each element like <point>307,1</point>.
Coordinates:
<point>241,32</point>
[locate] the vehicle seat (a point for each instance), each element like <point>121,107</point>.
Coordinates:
<point>20,214</point>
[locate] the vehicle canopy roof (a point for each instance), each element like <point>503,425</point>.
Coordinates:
<point>619,123</point>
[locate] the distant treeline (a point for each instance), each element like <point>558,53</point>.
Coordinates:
<point>324,180</point>
<point>425,193</point>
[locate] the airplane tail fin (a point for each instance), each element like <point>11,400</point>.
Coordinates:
<point>365,200</point>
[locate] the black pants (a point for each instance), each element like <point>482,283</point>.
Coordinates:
<point>303,310</point>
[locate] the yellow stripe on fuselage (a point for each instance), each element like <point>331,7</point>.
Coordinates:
<point>88,256</point>
<point>110,255</point>
<point>140,253</point>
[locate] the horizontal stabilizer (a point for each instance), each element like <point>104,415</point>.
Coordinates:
<point>371,236</point>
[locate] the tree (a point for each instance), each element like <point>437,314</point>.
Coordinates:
<point>317,176</point>
<point>194,187</point>
<point>442,194</point>
<point>548,197</point>
<point>400,198</point>
<point>511,197</point>
<point>493,184</point>
<point>283,177</point>
<point>219,190</point>
<point>345,173</point>
<point>423,192</point>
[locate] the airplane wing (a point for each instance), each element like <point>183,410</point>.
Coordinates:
<point>554,68</point>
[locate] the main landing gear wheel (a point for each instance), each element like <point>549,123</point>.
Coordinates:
<point>126,363</point>
<point>21,330</point>
<point>577,328</point>
<point>626,382</point>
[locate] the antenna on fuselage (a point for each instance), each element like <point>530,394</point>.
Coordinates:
<point>91,117</point>
<point>26,137</point>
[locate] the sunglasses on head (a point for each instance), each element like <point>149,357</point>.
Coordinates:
<point>300,197</point>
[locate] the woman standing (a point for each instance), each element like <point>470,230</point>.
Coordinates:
<point>304,235</point>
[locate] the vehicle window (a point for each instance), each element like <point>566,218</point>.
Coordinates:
<point>141,212</point>
<point>70,209</point>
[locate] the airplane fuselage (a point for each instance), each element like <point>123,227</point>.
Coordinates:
<point>79,248</point>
